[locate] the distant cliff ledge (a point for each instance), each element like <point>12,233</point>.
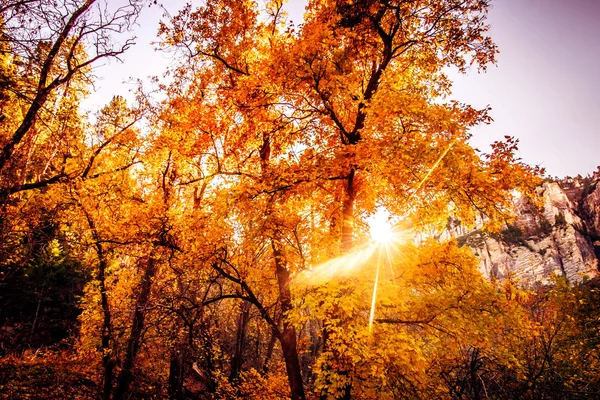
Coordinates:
<point>560,237</point>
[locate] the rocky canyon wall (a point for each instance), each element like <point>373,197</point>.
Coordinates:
<point>560,235</point>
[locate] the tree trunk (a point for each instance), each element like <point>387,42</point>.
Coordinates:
<point>137,327</point>
<point>107,361</point>
<point>210,367</point>
<point>288,336</point>
<point>176,373</point>
<point>348,213</point>
<point>269,354</point>
<point>237,360</point>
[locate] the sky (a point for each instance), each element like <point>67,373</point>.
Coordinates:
<point>544,90</point>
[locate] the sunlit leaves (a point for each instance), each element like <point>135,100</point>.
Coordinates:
<point>210,231</point>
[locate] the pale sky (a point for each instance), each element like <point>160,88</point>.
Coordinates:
<point>544,90</point>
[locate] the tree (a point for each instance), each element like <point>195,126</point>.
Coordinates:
<point>41,280</point>
<point>348,113</point>
<point>260,163</point>
<point>52,46</point>
<point>434,308</point>
<point>48,50</point>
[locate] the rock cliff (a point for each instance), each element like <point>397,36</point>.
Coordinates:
<point>560,235</point>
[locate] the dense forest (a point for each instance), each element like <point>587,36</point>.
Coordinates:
<point>211,239</point>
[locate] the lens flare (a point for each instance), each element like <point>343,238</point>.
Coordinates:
<point>380,227</point>
<point>337,268</point>
<point>385,239</point>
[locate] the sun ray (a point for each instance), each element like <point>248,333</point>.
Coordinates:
<point>338,267</point>
<point>388,253</point>
<point>374,297</point>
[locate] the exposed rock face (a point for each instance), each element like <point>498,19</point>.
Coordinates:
<point>560,237</point>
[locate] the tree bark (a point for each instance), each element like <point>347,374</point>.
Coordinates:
<point>107,360</point>
<point>137,327</point>
<point>176,373</point>
<point>348,213</point>
<point>288,336</point>
<point>269,354</point>
<point>237,360</point>
<point>108,363</point>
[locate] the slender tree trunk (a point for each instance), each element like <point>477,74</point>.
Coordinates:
<point>176,373</point>
<point>237,360</point>
<point>269,354</point>
<point>137,327</point>
<point>348,213</point>
<point>107,360</point>
<point>210,368</point>
<point>347,236</point>
<point>37,312</point>
<point>181,334</point>
<point>288,336</point>
<point>108,363</point>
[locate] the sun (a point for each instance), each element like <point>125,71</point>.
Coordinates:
<point>380,227</point>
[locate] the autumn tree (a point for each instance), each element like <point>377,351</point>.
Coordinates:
<point>48,50</point>
<point>433,306</point>
<point>206,233</point>
<point>566,338</point>
<point>347,112</point>
<point>52,48</point>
